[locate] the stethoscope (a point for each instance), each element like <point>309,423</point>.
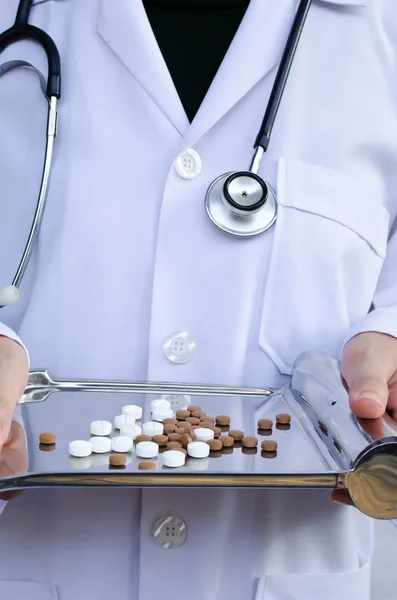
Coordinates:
<point>240,203</point>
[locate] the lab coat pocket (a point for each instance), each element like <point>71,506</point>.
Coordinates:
<point>321,586</point>
<point>27,590</point>
<point>329,244</point>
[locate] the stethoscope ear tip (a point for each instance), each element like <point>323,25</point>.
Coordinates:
<point>9,295</point>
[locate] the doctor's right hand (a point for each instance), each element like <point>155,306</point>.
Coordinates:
<point>14,371</point>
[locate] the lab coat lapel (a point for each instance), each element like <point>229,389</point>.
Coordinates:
<point>254,52</point>
<point>124,27</point>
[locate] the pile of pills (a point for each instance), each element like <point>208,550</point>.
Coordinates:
<point>189,432</point>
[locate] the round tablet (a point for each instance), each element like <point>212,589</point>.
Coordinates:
<point>143,438</point>
<point>206,419</point>
<point>227,441</point>
<point>131,431</point>
<point>174,445</point>
<point>47,438</point>
<point>170,422</point>
<point>132,410</point>
<point>193,408</point>
<point>249,442</point>
<point>117,460</point>
<point>193,420</point>
<point>186,439</point>
<point>80,448</point>
<point>198,449</point>
<point>160,404</point>
<point>147,466</point>
<point>123,420</point>
<point>215,445</point>
<point>283,419</point>
<point>152,428</point>
<point>222,420</point>
<point>182,414</point>
<point>169,428</point>
<point>198,414</point>
<point>203,435</point>
<point>160,415</point>
<point>217,432</point>
<point>100,445</point>
<point>180,430</point>
<point>122,443</point>
<point>185,424</point>
<point>161,440</point>
<point>236,434</point>
<point>100,428</point>
<point>147,449</point>
<point>269,446</point>
<point>265,424</point>
<point>174,437</point>
<point>173,458</point>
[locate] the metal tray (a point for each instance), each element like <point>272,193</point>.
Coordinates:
<point>325,446</point>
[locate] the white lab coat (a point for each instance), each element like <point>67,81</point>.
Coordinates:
<point>127,256</point>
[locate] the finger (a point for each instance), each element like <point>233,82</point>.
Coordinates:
<point>13,378</point>
<point>374,428</point>
<point>13,458</point>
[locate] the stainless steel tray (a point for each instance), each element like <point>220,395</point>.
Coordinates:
<point>325,446</point>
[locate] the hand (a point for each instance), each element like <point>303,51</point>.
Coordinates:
<point>14,371</point>
<point>13,458</point>
<point>369,372</point>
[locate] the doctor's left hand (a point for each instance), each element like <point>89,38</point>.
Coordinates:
<point>369,371</point>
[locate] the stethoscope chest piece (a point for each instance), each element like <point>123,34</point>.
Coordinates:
<point>241,203</point>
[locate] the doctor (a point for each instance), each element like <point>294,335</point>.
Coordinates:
<point>128,263</point>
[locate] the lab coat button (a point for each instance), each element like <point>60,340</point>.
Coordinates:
<point>188,164</point>
<point>179,348</point>
<point>170,532</point>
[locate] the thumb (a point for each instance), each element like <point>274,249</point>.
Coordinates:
<point>13,379</point>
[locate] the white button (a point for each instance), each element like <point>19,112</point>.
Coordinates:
<point>198,449</point>
<point>188,164</point>
<point>152,428</point>
<point>147,449</point>
<point>80,448</point>
<point>179,348</point>
<point>122,444</point>
<point>170,532</point>
<point>101,428</point>
<point>173,458</point>
<point>100,445</point>
<point>202,434</point>
<point>131,410</point>
<point>120,420</point>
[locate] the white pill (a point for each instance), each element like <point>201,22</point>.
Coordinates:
<point>132,410</point>
<point>100,445</point>
<point>198,449</point>
<point>202,434</point>
<point>147,449</point>
<point>152,428</point>
<point>101,428</point>
<point>161,414</point>
<point>130,431</point>
<point>160,404</point>
<point>80,448</point>
<point>122,443</point>
<point>123,420</point>
<point>173,458</point>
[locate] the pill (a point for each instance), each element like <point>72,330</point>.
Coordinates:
<point>100,428</point>
<point>122,443</point>
<point>194,408</point>
<point>100,445</point>
<point>227,441</point>
<point>215,445</point>
<point>80,448</point>
<point>152,428</point>
<point>186,425</point>
<point>143,438</point>
<point>131,431</point>
<point>217,432</point>
<point>182,414</point>
<point>147,449</point>
<point>269,446</point>
<point>123,420</point>
<point>161,440</point>
<point>249,442</point>
<point>198,414</point>
<point>160,404</point>
<point>160,415</point>
<point>47,447</point>
<point>173,458</point>
<point>174,445</point>
<point>198,449</point>
<point>236,434</point>
<point>132,410</point>
<point>117,460</point>
<point>222,420</point>
<point>207,419</point>
<point>47,438</point>
<point>193,420</point>
<point>186,439</point>
<point>203,434</point>
<point>283,419</point>
<point>170,422</point>
<point>265,424</point>
<point>174,437</point>
<point>180,430</point>
<point>169,428</point>
<point>147,466</point>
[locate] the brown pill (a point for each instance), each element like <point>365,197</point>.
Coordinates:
<point>161,440</point>
<point>169,428</point>
<point>147,466</point>
<point>180,430</point>
<point>249,442</point>
<point>186,425</point>
<point>269,454</point>
<point>282,427</point>
<point>283,419</point>
<point>174,437</point>
<point>174,445</point>
<point>47,447</point>
<point>143,438</point>
<point>265,424</point>
<point>182,415</point>
<point>207,419</point>
<point>249,450</point>
<point>222,420</point>
<point>217,431</point>
<point>193,408</point>
<point>227,441</point>
<point>186,439</point>
<point>215,444</point>
<point>237,435</point>
<point>47,438</point>
<point>193,420</point>
<point>269,446</point>
<point>117,460</point>
<point>170,422</point>
<point>198,414</point>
